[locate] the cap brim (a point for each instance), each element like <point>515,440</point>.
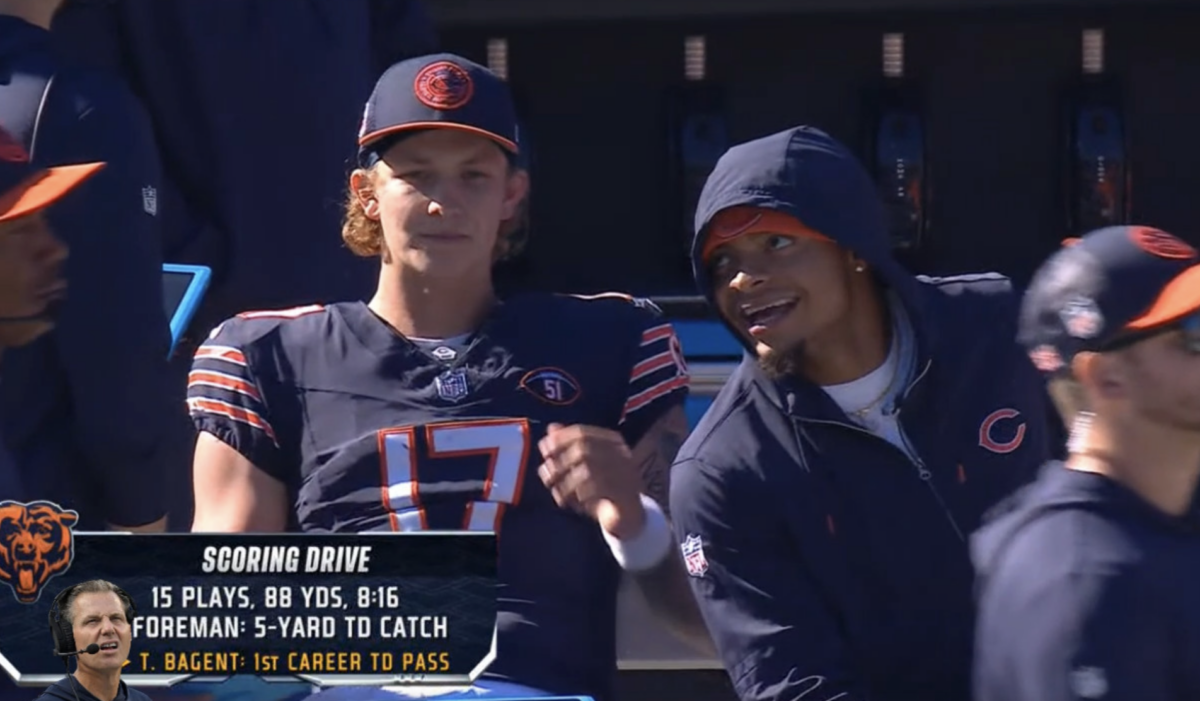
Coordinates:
<point>43,189</point>
<point>736,222</point>
<point>1178,299</point>
<point>372,137</point>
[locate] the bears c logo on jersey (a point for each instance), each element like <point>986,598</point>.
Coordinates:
<point>1000,433</point>
<point>36,545</point>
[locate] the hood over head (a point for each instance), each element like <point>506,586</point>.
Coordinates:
<point>809,176</point>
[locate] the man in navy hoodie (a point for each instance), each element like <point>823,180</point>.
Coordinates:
<point>823,502</point>
<point>1088,581</point>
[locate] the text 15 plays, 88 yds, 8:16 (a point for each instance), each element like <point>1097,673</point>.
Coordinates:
<point>282,597</point>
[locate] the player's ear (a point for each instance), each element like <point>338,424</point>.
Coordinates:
<point>516,190</point>
<point>363,187</point>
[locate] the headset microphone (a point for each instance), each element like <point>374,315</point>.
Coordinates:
<point>89,650</point>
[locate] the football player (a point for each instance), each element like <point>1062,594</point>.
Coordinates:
<point>549,419</point>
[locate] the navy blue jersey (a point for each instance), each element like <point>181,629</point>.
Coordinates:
<point>371,431</point>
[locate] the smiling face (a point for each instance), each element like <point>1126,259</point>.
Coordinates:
<point>779,290</point>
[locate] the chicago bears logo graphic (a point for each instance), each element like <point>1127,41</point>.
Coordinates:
<point>35,545</point>
<point>552,386</point>
<point>991,437</point>
<point>1160,243</point>
<point>443,86</point>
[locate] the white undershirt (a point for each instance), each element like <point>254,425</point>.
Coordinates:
<point>875,392</point>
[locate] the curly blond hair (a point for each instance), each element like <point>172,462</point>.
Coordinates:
<point>364,235</point>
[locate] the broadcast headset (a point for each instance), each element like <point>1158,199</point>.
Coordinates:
<point>63,631</point>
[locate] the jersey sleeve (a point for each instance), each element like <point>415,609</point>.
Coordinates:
<point>658,378</point>
<point>226,397</point>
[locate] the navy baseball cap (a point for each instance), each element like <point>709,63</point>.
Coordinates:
<point>1111,287</point>
<point>440,91</point>
<point>25,189</point>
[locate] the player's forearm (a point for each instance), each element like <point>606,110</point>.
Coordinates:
<point>665,586</point>
<point>666,590</point>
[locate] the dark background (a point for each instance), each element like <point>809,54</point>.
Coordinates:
<point>593,92</point>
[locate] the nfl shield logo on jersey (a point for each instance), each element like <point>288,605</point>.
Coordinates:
<point>693,556</point>
<point>150,200</point>
<point>452,385</point>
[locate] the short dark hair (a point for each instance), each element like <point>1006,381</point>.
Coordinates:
<point>92,586</point>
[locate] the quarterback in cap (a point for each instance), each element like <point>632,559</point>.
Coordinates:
<point>1088,579</point>
<point>549,419</point>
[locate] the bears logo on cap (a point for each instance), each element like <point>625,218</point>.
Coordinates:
<point>443,86</point>
<point>1160,243</point>
<point>10,150</point>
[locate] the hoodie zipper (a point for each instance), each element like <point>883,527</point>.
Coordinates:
<point>909,452</point>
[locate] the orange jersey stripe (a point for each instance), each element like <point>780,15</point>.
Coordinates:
<point>250,418</point>
<point>652,364</point>
<point>232,355</point>
<point>657,333</point>
<point>641,399</point>
<point>198,378</point>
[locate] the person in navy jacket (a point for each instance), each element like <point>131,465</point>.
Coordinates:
<point>1088,579</point>
<point>824,501</point>
<point>31,262</point>
<point>88,409</point>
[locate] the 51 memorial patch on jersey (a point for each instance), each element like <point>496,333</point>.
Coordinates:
<point>372,431</point>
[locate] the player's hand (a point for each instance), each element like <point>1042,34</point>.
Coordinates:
<point>591,469</point>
